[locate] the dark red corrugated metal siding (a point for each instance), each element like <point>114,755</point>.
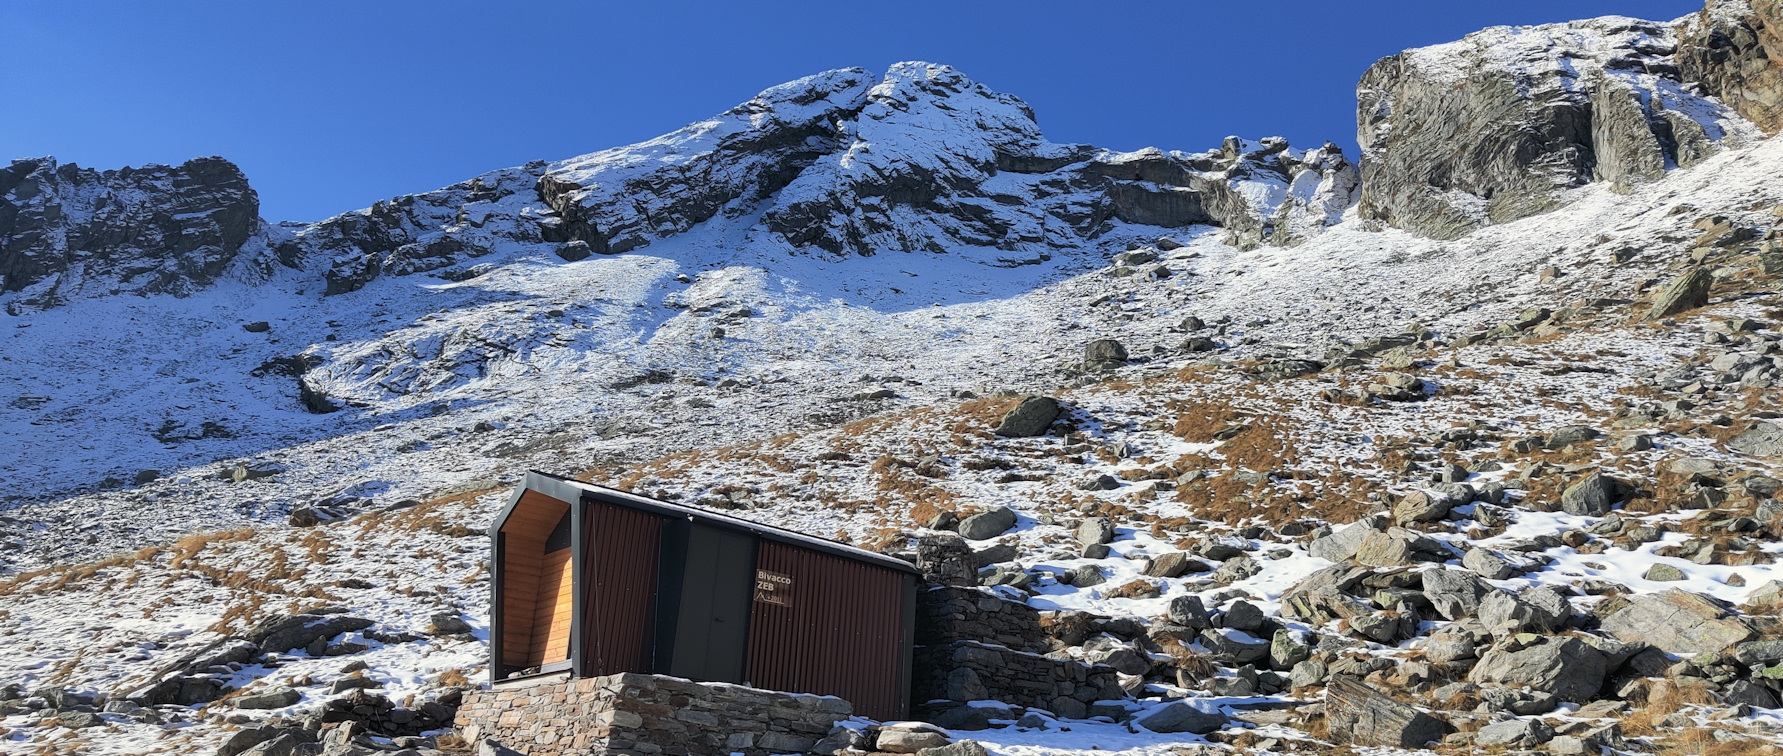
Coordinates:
<point>621,587</point>
<point>839,637</point>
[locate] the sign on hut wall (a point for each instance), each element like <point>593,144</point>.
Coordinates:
<point>773,588</point>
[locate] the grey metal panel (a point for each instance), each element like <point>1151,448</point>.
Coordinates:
<point>712,626</point>
<point>569,487</point>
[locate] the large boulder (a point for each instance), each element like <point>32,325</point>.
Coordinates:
<point>1455,594</point>
<point>988,525</point>
<point>1104,354</point>
<point>1565,667</point>
<point>1677,622</point>
<point>1540,609</point>
<point>1522,732</point>
<point>1763,440</point>
<point>1342,544</point>
<point>273,698</point>
<point>1358,714</point>
<point>1595,495</point>
<point>1180,716</point>
<point>67,231</point>
<point>281,632</point>
<point>1688,292</point>
<point>1496,126</point>
<point>1029,418</point>
<point>1095,530</point>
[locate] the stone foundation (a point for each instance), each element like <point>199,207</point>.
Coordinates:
<point>646,715</point>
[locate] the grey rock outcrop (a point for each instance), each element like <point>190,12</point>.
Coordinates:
<point>1564,667</point>
<point>1029,418</point>
<point>1520,733</point>
<point>990,524</point>
<point>1358,714</point>
<point>68,232</point>
<point>1455,594</point>
<point>1493,127</point>
<point>1677,622</point>
<point>843,163</point>
<point>1593,495</point>
<point>1732,48</point>
<point>1688,292</point>
<point>1180,716</point>
<point>285,632</point>
<point>274,698</point>
<point>1762,440</point>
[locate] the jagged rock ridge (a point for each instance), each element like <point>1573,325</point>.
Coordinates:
<point>68,231</point>
<point>840,163</point>
<point>924,160</point>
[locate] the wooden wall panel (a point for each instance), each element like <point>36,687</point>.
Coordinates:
<point>551,618</point>
<point>523,566</point>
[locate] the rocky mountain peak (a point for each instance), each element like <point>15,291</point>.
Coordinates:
<point>920,160</point>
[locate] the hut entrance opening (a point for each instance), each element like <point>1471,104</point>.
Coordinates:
<point>536,602</point>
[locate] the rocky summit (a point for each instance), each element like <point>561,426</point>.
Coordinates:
<point>1470,442</point>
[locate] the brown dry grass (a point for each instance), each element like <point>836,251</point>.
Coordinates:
<point>1662,699</point>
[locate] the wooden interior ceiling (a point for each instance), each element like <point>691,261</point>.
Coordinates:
<point>535,587</point>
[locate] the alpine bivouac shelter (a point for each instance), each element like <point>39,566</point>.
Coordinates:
<point>593,581</point>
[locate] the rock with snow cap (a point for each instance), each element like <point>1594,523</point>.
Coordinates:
<point>1496,126</point>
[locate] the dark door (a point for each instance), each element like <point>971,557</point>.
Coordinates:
<point>710,633</point>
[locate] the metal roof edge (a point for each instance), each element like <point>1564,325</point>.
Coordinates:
<point>552,485</point>
<point>545,483</point>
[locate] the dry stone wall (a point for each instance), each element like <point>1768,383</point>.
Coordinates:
<point>945,614</point>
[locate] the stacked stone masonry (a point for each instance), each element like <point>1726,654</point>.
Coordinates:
<point>947,614</point>
<point>646,715</point>
<point>968,670</point>
<point>973,645</point>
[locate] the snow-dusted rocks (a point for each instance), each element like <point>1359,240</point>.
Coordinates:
<point>922,160</point>
<point>1565,667</point>
<point>67,231</point>
<point>1677,622</point>
<point>623,198</point>
<point>495,212</point>
<point>1731,47</point>
<point>1495,126</point>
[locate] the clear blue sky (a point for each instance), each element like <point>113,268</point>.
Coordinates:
<point>329,106</point>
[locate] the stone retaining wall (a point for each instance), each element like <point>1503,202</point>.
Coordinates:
<point>646,715</point>
<point>947,614</point>
<point>968,671</point>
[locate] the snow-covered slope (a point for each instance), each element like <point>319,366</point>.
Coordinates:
<point>813,307</point>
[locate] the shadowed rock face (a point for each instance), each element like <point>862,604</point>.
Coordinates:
<point>151,230</point>
<point>1494,127</point>
<point>1735,49</point>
